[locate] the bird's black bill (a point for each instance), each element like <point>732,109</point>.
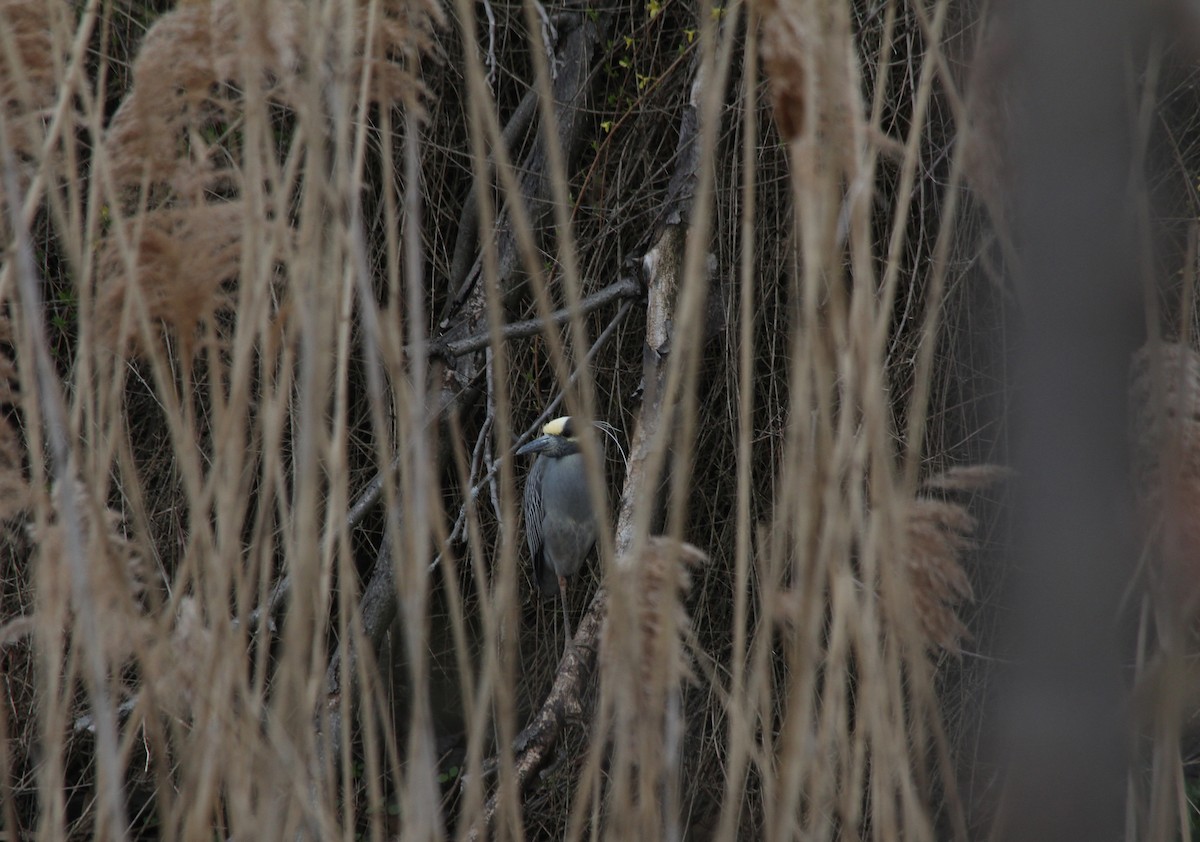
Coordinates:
<point>536,446</point>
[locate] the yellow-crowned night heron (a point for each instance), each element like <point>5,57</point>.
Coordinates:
<point>560,521</point>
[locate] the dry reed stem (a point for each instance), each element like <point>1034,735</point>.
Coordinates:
<point>841,516</point>
<point>216,723</point>
<point>1164,411</point>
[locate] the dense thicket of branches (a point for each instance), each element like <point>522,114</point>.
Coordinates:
<point>284,284</point>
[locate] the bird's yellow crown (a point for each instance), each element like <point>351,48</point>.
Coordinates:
<point>563,426</point>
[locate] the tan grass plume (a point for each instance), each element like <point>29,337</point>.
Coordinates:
<point>183,259</point>
<point>190,66</point>
<point>28,77</point>
<point>1165,415</point>
<point>644,662</point>
<point>194,62</point>
<point>786,43</point>
<point>662,579</point>
<point>118,577</point>
<point>15,495</point>
<point>173,147</point>
<point>937,532</point>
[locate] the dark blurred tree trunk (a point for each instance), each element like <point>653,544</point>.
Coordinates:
<point>1071,549</point>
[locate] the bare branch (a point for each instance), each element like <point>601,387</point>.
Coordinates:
<point>626,287</point>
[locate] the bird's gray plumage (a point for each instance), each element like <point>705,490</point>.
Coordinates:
<point>560,521</point>
<point>561,530</point>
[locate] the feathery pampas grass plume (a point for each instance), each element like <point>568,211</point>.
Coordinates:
<point>183,258</point>
<point>663,577</point>
<point>937,532</point>
<point>28,84</point>
<point>180,661</point>
<point>786,56</point>
<point>190,65</point>
<point>1165,415</point>
<point>186,242</point>
<point>644,663</point>
<point>14,491</point>
<point>990,104</point>
<point>391,47</point>
<point>173,154</point>
<point>118,580</point>
<point>195,60</point>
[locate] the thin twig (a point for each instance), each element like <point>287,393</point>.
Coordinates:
<point>493,491</point>
<point>491,51</point>
<point>549,36</point>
